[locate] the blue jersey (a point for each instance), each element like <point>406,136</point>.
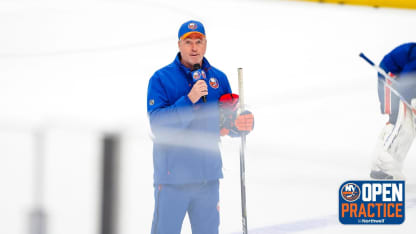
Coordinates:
<point>401,62</point>
<point>186,135</point>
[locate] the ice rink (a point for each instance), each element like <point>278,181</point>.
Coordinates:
<point>74,70</point>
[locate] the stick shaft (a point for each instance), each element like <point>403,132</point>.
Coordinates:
<point>242,155</point>
<point>241,89</point>
<point>379,69</point>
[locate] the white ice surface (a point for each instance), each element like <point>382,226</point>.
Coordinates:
<point>80,68</point>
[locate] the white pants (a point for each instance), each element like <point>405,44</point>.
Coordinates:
<point>394,142</point>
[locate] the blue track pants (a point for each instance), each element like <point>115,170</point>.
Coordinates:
<point>200,200</point>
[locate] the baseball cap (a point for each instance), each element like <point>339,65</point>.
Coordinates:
<point>190,27</point>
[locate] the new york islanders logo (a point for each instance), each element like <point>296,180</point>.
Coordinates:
<point>192,26</point>
<point>350,192</point>
<point>213,82</point>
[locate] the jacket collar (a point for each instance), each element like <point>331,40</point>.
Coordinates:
<point>205,64</point>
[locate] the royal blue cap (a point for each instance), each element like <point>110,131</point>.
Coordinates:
<point>190,27</point>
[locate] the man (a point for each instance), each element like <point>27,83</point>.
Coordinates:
<point>398,134</point>
<point>183,105</point>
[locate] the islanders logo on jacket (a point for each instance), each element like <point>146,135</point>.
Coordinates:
<point>213,82</point>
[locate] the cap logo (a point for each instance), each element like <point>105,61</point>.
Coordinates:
<point>192,26</point>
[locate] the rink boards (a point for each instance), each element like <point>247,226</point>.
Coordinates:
<point>410,4</point>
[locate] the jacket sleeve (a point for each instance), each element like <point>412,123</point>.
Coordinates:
<point>226,86</point>
<point>392,62</point>
<point>401,61</point>
<point>166,118</point>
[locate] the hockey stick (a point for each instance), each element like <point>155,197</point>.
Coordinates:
<point>387,77</point>
<point>242,155</point>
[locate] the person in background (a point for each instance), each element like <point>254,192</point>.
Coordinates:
<point>397,135</point>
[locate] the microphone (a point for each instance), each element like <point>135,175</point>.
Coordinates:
<point>197,74</point>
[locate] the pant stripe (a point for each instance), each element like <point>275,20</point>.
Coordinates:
<point>156,224</point>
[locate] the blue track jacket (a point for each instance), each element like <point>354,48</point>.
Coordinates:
<point>186,135</point>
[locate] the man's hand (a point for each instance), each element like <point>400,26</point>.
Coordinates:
<point>199,89</point>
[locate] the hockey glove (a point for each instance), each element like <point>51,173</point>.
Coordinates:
<point>229,102</point>
<point>230,123</point>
